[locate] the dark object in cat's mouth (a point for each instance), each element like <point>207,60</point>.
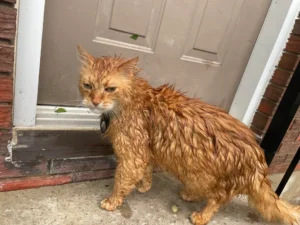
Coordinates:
<point>104,122</point>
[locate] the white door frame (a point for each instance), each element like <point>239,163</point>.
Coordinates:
<point>28,47</point>
<point>267,50</point>
<point>265,56</point>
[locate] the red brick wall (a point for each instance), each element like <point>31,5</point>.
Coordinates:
<point>271,99</point>
<point>8,15</point>
<point>277,86</point>
<point>288,147</point>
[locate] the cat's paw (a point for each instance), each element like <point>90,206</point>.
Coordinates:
<point>144,188</point>
<point>197,219</point>
<point>108,205</point>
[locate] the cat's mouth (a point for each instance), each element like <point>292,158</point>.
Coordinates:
<point>99,109</point>
<point>96,110</point>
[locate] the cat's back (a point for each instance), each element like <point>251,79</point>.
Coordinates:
<point>192,114</point>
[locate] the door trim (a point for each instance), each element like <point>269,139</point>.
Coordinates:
<point>28,48</point>
<point>265,55</point>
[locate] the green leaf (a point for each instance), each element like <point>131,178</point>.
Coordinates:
<point>134,36</point>
<point>174,208</point>
<point>60,110</point>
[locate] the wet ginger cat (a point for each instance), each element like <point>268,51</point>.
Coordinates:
<point>214,155</point>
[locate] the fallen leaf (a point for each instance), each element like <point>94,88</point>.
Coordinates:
<point>134,37</point>
<point>60,110</point>
<point>174,208</point>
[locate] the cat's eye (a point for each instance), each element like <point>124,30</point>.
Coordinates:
<point>87,86</point>
<point>110,89</point>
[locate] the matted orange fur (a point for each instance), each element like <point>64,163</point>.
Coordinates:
<point>215,156</point>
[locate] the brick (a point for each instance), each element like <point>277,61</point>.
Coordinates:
<point>22,169</point>
<point>281,77</point>
<point>6,89</point>
<point>93,175</point>
<point>261,121</point>
<point>277,167</point>
<point>6,58</point>
<point>59,166</point>
<point>274,93</point>
<point>279,158</point>
<point>288,61</point>
<point>5,137</point>
<point>295,125</point>
<point>296,29</point>
<point>278,151</point>
<point>8,17</point>
<point>5,116</point>
<point>288,148</point>
<point>293,44</point>
<point>267,107</point>
<point>298,138</point>
<point>280,168</point>
<point>291,148</point>
<point>289,158</point>
<point>33,182</point>
<point>291,136</point>
<point>256,130</point>
<point>291,124</point>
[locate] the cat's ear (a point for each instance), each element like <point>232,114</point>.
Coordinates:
<point>85,57</point>
<point>130,66</point>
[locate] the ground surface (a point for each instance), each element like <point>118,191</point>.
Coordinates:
<point>78,204</point>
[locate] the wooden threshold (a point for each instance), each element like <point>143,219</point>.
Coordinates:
<point>33,145</point>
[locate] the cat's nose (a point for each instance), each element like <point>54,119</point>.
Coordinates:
<point>95,102</point>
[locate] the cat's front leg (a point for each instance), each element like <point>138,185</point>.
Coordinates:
<point>128,174</point>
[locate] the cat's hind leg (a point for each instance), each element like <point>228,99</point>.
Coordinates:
<point>203,217</point>
<point>194,191</point>
<point>146,183</point>
<point>189,196</point>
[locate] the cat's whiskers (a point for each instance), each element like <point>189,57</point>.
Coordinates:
<point>113,111</point>
<point>72,101</point>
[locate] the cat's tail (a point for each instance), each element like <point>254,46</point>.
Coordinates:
<point>266,201</point>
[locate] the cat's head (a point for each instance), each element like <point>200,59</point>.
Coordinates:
<point>105,82</point>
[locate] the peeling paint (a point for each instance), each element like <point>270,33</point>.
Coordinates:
<point>14,140</point>
<point>9,150</point>
<point>21,146</point>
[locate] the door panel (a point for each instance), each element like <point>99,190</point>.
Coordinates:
<point>202,46</point>
<point>117,20</point>
<point>211,30</point>
<point>131,18</point>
